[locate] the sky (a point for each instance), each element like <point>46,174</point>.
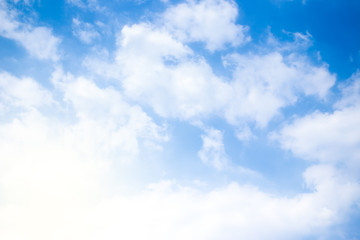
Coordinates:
<point>197,120</point>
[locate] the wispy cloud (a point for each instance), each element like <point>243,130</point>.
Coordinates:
<point>37,40</point>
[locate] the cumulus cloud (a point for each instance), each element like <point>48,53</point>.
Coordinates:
<point>38,41</point>
<point>116,127</point>
<point>171,80</point>
<point>263,84</point>
<point>328,137</point>
<point>53,168</point>
<point>208,21</point>
<point>177,82</point>
<point>24,92</point>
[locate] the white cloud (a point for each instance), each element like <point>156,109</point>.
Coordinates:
<point>350,93</point>
<point>86,32</point>
<point>263,84</point>
<point>208,21</point>
<point>38,41</point>
<point>328,137</point>
<point>325,137</point>
<point>212,151</point>
<point>58,191</point>
<point>178,83</point>
<point>107,123</point>
<point>25,92</point>
<point>50,184</point>
<point>171,80</point>
<point>53,180</point>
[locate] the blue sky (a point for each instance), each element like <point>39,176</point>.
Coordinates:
<point>211,119</point>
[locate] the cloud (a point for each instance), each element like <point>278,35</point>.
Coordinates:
<point>51,185</point>
<point>177,82</point>
<point>350,92</point>
<point>116,127</point>
<point>51,188</point>
<point>264,84</point>
<point>84,31</point>
<point>38,41</point>
<point>56,177</point>
<point>25,93</point>
<point>208,21</point>
<point>324,137</point>
<point>212,151</point>
<point>171,80</point>
<point>329,137</point>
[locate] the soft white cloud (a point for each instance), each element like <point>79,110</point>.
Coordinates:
<point>24,92</point>
<point>350,92</point>
<point>38,41</point>
<point>171,80</point>
<point>52,188</point>
<point>325,137</point>
<point>176,82</point>
<point>106,123</point>
<point>54,184</point>
<point>208,21</point>
<point>263,84</point>
<point>212,151</point>
<point>328,137</point>
<point>54,191</point>
<point>86,32</point>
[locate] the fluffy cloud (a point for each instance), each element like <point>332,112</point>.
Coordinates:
<point>25,92</point>
<point>55,164</point>
<point>56,177</point>
<point>171,80</point>
<point>325,137</point>
<point>53,192</point>
<point>116,127</point>
<point>176,82</point>
<point>263,84</point>
<point>328,137</point>
<point>208,21</point>
<point>38,41</point>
